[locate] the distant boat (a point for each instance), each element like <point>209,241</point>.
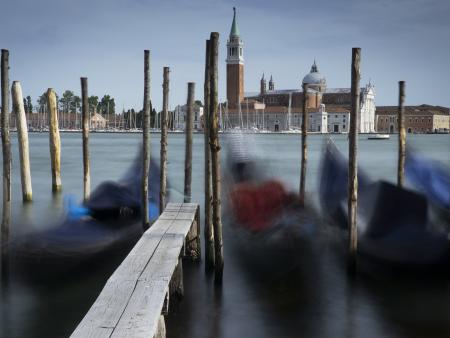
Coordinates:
<point>378,137</point>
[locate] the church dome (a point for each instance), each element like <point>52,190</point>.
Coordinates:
<point>314,77</point>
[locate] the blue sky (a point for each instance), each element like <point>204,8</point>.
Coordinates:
<point>53,43</point>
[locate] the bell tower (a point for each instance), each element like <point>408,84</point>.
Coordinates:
<point>235,66</point>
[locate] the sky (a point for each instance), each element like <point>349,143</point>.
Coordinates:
<point>53,43</point>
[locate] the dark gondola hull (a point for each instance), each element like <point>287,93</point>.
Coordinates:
<point>110,227</point>
<point>394,234</point>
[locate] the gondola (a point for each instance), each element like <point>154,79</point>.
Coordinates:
<point>432,179</point>
<point>394,232</point>
<point>102,229</point>
<point>269,226</point>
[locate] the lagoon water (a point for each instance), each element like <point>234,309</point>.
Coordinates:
<point>322,302</point>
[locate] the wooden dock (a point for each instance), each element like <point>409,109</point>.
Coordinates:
<point>136,297</point>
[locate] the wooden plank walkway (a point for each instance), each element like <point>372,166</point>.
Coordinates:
<point>137,294</point>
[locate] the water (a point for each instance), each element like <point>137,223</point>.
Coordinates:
<point>321,302</point>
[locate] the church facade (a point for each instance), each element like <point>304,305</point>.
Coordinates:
<point>272,109</point>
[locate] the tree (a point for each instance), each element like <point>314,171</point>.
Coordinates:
<point>93,104</point>
<point>107,105</point>
<point>76,104</point>
<point>199,103</point>
<point>29,104</point>
<point>42,102</point>
<point>66,100</point>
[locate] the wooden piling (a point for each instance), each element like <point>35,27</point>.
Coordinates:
<point>163,153</point>
<point>145,140</point>
<point>86,122</point>
<point>188,149</point>
<point>304,145</point>
<point>215,159</point>
<point>352,158</point>
<point>22,136</point>
<point>6,150</point>
<point>208,230</point>
<point>55,141</point>
<point>401,135</point>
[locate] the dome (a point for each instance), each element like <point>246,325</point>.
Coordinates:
<point>314,77</point>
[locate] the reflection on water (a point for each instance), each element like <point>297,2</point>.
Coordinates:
<point>319,301</point>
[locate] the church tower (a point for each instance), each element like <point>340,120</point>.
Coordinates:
<point>235,66</point>
<point>263,86</point>
<point>271,84</point>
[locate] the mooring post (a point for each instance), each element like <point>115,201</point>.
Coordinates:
<point>6,149</point>
<point>85,118</point>
<point>208,230</point>
<point>215,159</point>
<point>304,145</point>
<point>401,134</point>
<point>22,136</point>
<point>163,153</point>
<point>145,140</point>
<point>352,158</point>
<point>55,141</point>
<point>188,149</point>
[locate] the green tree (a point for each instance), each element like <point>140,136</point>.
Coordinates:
<point>107,105</point>
<point>42,102</point>
<point>199,103</point>
<point>66,100</point>
<point>75,104</point>
<point>29,104</point>
<point>93,104</point>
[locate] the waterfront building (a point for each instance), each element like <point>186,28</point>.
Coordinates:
<point>179,117</point>
<point>98,121</point>
<point>278,110</point>
<point>418,119</point>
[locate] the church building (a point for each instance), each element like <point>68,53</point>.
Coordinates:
<point>273,109</point>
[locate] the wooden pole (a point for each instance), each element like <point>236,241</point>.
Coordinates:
<point>22,135</point>
<point>209,231</point>
<point>215,158</point>
<point>401,135</point>
<point>6,149</point>
<point>188,149</point>
<point>55,141</point>
<point>85,118</point>
<point>352,158</point>
<point>304,146</point>
<point>163,154</point>
<point>145,140</point>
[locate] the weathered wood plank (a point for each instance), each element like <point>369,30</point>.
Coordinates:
<point>133,298</point>
<point>141,316</point>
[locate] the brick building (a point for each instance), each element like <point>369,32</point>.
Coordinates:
<point>418,119</point>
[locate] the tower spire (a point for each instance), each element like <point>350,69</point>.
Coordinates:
<point>314,68</point>
<point>234,27</point>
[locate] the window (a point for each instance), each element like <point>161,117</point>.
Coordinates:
<point>343,116</point>
<point>343,127</point>
<point>344,119</point>
<point>335,116</point>
<point>240,51</point>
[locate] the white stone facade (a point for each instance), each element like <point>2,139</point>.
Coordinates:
<point>367,110</point>
<point>318,122</point>
<point>180,117</point>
